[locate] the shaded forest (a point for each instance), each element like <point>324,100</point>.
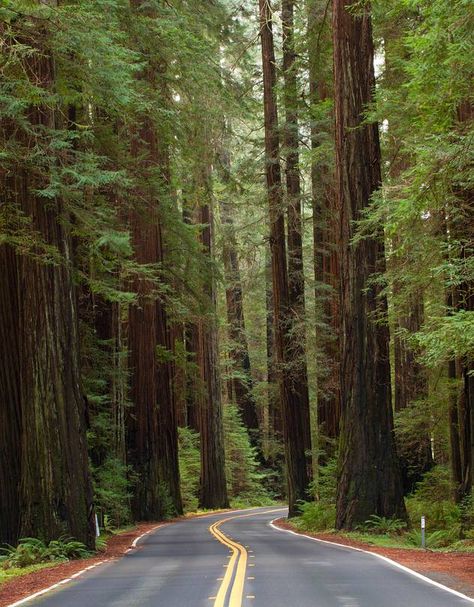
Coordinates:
<point>236,263</point>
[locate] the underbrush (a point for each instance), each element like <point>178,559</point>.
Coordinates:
<point>32,551</point>
<point>449,526</point>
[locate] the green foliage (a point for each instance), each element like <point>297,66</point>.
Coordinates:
<point>245,482</point>
<point>316,516</point>
<point>433,500</point>
<point>189,467</point>
<point>31,551</point>
<point>382,525</point>
<point>112,483</point>
<point>436,539</point>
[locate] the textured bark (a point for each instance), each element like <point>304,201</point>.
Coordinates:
<point>152,434</point>
<point>296,298</point>
<point>293,417</point>
<point>240,384</point>
<point>213,488</point>
<point>152,430</point>
<point>325,260</point>
<point>46,430</point>
<point>10,397</point>
<point>369,478</point>
<point>459,228</point>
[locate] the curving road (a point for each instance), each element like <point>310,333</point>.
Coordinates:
<point>238,560</point>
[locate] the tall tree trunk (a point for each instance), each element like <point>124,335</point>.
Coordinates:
<point>369,478</point>
<point>47,430</point>
<point>213,487</point>
<point>152,430</point>
<point>465,300</point>
<point>10,397</point>
<point>240,383</point>
<point>296,298</point>
<point>326,264</point>
<point>293,417</point>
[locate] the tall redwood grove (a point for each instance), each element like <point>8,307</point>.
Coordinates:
<point>369,478</point>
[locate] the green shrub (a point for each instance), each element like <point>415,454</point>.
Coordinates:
<point>31,551</point>
<point>112,484</point>
<point>245,482</point>
<point>189,467</point>
<point>382,525</point>
<point>316,516</point>
<point>325,485</point>
<point>436,539</point>
<point>433,499</point>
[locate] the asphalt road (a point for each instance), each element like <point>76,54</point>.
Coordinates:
<point>237,560</point>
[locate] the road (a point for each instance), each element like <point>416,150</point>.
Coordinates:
<point>237,560</point>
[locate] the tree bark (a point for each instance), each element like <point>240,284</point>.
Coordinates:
<point>240,384</point>
<point>369,478</point>
<point>213,487</point>
<point>296,297</point>
<point>49,477</point>
<point>152,430</point>
<point>294,430</point>
<point>325,260</point>
<point>10,397</point>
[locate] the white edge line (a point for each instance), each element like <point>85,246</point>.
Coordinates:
<point>379,556</point>
<point>137,539</point>
<point>60,583</point>
<point>82,571</point>
<point>78,573</point>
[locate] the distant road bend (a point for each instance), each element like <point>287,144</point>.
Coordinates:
<point>238,560</point>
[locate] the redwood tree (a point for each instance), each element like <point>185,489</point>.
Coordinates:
<point>293,415</point>
<point>152,429</point>
<point>296,299</point>
<point>369,478</point>
<point>213,487</point>
<point>43,408</point>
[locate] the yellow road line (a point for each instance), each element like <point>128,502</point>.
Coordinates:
<point>238,557</point>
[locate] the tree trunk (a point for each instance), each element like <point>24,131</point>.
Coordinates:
<point>293,417</point>
<point>296,298</point>
<point>152,430</point>
<point>326,264</point>
<point>369,478</point>
<point>46,431</point>
<point>213,487</point>
<point>240,383</point>
<point>10,397</point>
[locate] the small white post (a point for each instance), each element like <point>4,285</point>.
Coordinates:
<point>97,529</point>
<point>423,527</point>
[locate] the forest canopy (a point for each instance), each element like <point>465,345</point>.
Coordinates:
<point>236,262</point>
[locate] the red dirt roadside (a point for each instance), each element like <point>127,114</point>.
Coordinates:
<point>453,569</point>
<point>22,586</point>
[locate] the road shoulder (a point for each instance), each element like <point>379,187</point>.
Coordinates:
<point>454,570</point>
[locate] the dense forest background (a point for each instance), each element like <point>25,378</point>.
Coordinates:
<point>236,262</point>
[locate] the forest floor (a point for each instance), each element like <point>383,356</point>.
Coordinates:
<point>453,569</point>
<point>27,582</point>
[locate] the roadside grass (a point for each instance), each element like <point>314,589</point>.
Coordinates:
<point>11,570</point>
<point>436,541</point>
<point>9,574</point>
<point>319,517</point>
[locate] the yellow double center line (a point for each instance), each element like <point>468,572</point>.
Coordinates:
<point>239,558</point>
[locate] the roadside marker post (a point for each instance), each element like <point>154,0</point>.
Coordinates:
<point>423,527</point>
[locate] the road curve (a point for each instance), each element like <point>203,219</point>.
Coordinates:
<point>238,560</point>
